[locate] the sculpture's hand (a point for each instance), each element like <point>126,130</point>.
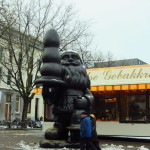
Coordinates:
<point>81,102</point>
<point>90,98</point>
<point>50,95</point>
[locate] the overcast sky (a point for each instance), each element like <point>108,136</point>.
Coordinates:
<point>120,26</point>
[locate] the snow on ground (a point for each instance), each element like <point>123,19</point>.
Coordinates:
<point>2,127</point>
<point>24,146</point>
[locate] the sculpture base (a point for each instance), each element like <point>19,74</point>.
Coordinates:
<point>74,133</point>
<point>58,144</point>
<point>56,134</point>
<point>52,136</point>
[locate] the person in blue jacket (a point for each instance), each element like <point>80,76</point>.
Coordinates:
<point>85,132</point>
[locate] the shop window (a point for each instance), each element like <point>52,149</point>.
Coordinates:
<point>110,109</point>
<point>137,107</point>
<point>133,108</point>
<point>106,107</point>
<point>148,112</point>
<point>17,105</point>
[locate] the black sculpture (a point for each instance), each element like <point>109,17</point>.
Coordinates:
<point>66,85</point>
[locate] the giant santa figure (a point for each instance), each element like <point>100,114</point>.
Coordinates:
<point>65,85</point>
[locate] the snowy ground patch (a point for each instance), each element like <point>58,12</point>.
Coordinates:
<point>25,146</point>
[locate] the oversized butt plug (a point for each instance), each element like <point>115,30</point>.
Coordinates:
<point>51,72</point>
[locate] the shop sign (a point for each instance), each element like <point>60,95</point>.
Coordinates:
<point>119,75</point>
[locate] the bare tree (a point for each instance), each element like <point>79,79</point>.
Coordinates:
<point>98,59</point>
<point>82,47</point>
<point>23,25</point>
<point>109,59</point>
<point>102,60</point>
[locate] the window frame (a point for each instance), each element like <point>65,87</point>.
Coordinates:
<point>17,102</point>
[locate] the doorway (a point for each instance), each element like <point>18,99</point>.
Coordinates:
<point>36,108</point>
<point>6,111</point>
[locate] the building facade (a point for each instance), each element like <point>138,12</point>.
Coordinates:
<point>11,102</point>
<point>11,105</point>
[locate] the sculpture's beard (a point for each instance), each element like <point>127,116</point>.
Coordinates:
<point>76,77</point>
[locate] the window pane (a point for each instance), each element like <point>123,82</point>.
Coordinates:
<point>17,106</point>
<point>136,108</point>
<point>133,106</point>
<point>106,107</point>
<point>8,98</point>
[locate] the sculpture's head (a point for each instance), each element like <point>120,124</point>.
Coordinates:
<point>70,58</point>
<point>74,72</point>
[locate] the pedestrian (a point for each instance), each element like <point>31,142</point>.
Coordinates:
<point>94,140</point>
<point>85,132</point>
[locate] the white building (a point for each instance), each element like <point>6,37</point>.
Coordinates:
<point>11,102</point>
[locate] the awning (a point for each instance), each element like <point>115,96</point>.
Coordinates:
<point>110,88</point>
<point>120,87</point>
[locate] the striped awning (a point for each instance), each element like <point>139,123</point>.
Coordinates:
<point>110,88</point>
<point>120,87</point>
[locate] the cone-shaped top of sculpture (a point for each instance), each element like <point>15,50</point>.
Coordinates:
<point>51,39</point>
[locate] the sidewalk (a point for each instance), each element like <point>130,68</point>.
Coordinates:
<point>17,139</point>
<point>22,139</point>
<point>29,140</point>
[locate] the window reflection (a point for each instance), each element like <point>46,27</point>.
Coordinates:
<point>137,107</point>
<point>106,107</point>
<point>133,106</point>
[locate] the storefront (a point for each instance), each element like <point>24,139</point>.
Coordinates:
<point>121,94</point>
<point>122,100</point>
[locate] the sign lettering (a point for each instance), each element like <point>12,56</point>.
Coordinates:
<point>116,76</point>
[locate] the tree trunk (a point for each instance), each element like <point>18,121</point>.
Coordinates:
<point>25,109</point>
